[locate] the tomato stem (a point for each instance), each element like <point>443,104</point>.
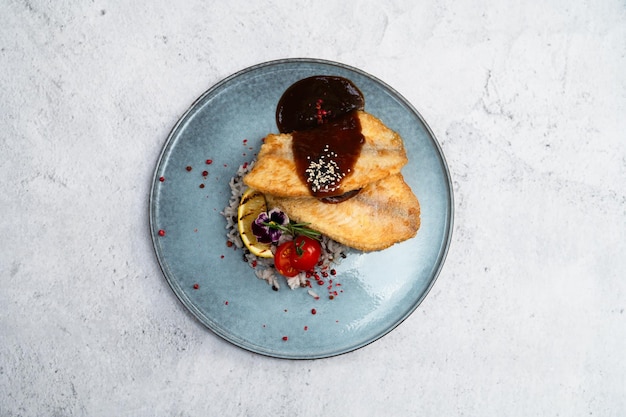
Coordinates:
<point>299,247</point>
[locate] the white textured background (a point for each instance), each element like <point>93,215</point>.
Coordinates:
<point>528,100</point>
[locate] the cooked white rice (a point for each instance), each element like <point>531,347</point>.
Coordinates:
<point>332,251</point>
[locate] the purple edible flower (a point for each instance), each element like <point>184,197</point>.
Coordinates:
<point>267,228</point>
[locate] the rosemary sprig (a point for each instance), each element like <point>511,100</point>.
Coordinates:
<point>295,229</point>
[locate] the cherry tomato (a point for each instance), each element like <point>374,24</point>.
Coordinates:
<point>282,260</point>
<point>305,254</point>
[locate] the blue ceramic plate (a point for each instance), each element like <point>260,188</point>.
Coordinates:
<point>378,290</point>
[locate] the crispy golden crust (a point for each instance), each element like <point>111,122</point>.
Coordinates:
<point>383,213</point>
<point>274,172</point>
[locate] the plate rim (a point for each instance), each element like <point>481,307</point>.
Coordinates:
<point>183,118</point>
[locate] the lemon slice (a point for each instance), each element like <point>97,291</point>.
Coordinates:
<point>251,205</point>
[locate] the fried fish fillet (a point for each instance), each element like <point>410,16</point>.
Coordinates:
<point>383,213</point>
<point>275,173</point>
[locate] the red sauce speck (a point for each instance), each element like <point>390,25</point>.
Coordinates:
<point>313,311</point>
<point>161,232</point>
<point>209,161</point>
<point>254,264</point>
<point>333,272</point>
<point>245,141</point>
<point>330,297</point>
<point>320,282</point>
<point>196,286</point>
<point>205,173</point>
<point>245,165</point>
<point>188,168</point>
<point>225,302</point>
<point>229,243</point>
<point>201,185</point>
<point>285,338</point>
<point>306,327</point>
<point>222,256</point>
<point>161,179</point>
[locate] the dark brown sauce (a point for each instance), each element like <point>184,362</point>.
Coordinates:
<point>312,101</point>
<point>339,198</point>
<point>321,114</point>
<point>326,155</point>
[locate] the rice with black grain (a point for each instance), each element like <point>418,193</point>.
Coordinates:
<point>332,251</point>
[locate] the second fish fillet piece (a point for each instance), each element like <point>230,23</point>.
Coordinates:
<point>383,213</point>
